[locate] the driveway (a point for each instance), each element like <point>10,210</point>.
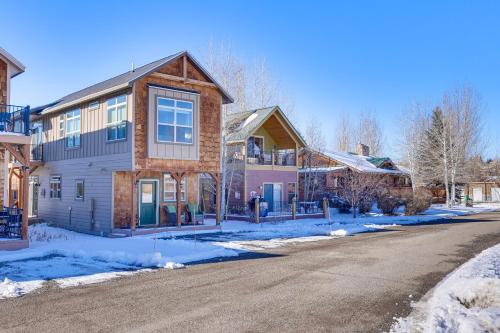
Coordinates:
<point>353,284</point>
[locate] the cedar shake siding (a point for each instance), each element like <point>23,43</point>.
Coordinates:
<point>179,158</point>
<point>3,82</point>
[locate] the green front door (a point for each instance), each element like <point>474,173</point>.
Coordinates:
<point>147,203</point>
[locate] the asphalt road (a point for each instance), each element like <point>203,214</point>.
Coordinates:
<point>354,284</point>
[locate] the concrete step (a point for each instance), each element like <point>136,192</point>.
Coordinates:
<point>117,235</point>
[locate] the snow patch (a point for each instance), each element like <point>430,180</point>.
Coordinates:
<point>466,301</point>
<point>9,288</point>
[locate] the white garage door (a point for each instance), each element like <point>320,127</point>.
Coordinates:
<point>477,194</point>
<point>495,194</point>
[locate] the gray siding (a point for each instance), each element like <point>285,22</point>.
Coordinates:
<point>172,150</point>
<point>92,136</point>
<point>97,174</point>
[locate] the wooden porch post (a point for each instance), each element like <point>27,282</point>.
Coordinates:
<point>217,199</point>
<point>9,190</point>
<point>25,192</point>
<point>133,217</point>
<point>178,196</point>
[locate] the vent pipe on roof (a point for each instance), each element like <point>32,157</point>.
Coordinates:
<point>133,67</point>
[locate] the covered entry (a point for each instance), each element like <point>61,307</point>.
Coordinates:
<point>273,193</point>
<point>148,202</point>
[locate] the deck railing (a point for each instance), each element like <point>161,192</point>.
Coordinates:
<point>282,157</point>
<point>15,119</point>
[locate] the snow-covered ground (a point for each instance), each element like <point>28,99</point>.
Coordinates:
<point>466,301</point>
<point>68,258</point>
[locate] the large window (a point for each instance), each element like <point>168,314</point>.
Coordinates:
<point>73,128</point>
<point>79,189</point>
<point>55,187</point>
<point>61,126</point>
<point>255,146</point>
<point>116,118</point>
<point>169,188</point>
<point>175,120</point>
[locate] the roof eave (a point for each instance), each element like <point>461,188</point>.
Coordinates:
<point>17,64</point>
<point>85,98</point>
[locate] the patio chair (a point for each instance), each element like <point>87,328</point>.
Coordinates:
<point>171,214</point>
<point>195,215</point>
<point>4,219</point>
<point>14,222</point>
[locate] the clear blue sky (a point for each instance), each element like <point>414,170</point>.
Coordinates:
<point>333,57</point>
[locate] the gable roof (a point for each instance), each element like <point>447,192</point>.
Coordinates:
<point>18,66</point>
<point>369,164</point>
<point>126,80</point>
<point>241,125</point>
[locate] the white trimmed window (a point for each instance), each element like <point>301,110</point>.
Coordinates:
<point>94,105</point>
<point>116,118</point>
<point>174,120</point>
<point>79,189</point>
<point>73,128</point>
<point>169,188</point>
<point>61,126</point>
<point>55,187</point>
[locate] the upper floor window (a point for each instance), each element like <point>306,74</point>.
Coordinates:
<point>73,128</point>
<point>255,146</point>
<point>116,118</point>
<point>61,125</point>
<point>174,120</point>
<point>94,105</point>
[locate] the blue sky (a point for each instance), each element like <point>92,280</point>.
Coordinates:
<point>332,57</point>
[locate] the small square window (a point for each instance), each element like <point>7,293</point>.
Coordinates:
<point>79,189</point>
<point>94,105</point>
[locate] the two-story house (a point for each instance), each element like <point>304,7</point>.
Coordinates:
<point>14,158</point>
<point>116,153</point>
<point>262,157</point>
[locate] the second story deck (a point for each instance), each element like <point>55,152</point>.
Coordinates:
<point>14,124</point>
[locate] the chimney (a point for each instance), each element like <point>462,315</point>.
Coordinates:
<point>362,149</point>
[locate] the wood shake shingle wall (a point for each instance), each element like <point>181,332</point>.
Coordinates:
<point>209,122</point>
<point>3,82</point>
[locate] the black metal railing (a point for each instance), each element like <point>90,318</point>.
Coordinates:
<point>283,157</point>
<point>15,119</point>
<point>262,158</point>
<point>309,207</point>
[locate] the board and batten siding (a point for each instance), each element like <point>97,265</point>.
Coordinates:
<point>74,214</point>
<point>93,139</point>
<point>176,151</point>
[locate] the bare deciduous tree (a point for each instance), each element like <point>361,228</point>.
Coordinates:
<point>343,140</point>
<point>316,143</point>
<point>369,132</point>
<point>360,188</point>
<point>412,126</point>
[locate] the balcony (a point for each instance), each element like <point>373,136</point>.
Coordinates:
<point>280,157</point>
<point>14,119</point>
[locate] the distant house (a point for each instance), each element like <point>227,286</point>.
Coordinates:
<point>262,157</point>
<point>486,190</point>
<point>128,152</point>
<point>321,173</point>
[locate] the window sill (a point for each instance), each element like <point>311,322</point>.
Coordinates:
<point>117,140</point>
